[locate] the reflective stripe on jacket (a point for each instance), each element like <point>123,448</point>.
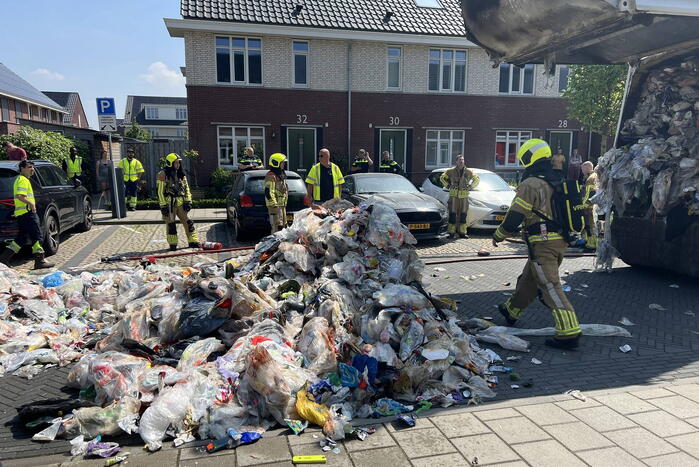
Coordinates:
<point>313,178</point>
<point>131,169</point>
<point>22,186</point>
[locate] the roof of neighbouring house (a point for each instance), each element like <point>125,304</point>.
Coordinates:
<point>15,86</point>
<point>68,100</point>
<point>135,111</point>
<point>395,16</point>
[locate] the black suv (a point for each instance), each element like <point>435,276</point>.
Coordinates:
<point>60,204</point>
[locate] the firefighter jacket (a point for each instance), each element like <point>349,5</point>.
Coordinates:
<point>131,170</point>
<point>172,188</point>
<point>276,191</point>
<point>459,182</point>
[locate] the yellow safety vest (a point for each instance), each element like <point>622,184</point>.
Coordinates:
<point>313,178</point>
<point>22,186</point>
<point>74,167</point>
<point>131,169</point>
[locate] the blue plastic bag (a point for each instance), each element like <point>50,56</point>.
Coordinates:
<point>349,376</point>
<point>53,280</point>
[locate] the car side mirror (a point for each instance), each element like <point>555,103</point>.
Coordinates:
<point>345,190</point>
<point>77,183</point>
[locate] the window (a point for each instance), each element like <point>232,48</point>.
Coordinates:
<point>507,144</point>
<point>181,132</point>
<point>516,80</point>
<point>181,113</point>
<point>48,176</point>
<point>447,70</point>
<point>154,132</point>
<point>151,113</point>
<point>393,59</point>
<point>18,111</point>
<point>238,60</point>
<point>443,146</point>
<point>45,114</point>
<point>33,112</point>
<point>232,142</point>
<point>563,78</point>
<point>428,3</point>
<point>5,112</point>
<point>60,175</point>
<point>300,50</point>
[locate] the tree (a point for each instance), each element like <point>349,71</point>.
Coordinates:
<point>136,131</point>
<point>594,95</point>
<point>192,155</point>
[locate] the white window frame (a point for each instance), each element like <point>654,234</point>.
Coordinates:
<point>181,113</point>
<point>521,81</point>
<point>181,132</point>
<point>560,75</point>
<point>246,71</point>
<point>306,54</point>
<point>453,70</point>
<point>151,112</point>
<point>518,136</point>
<point>233,138</point>
<point>439,140</point>
<point>154,132</point>
<point>389,60</point>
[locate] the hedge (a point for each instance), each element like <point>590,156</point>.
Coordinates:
<point>145,204</point>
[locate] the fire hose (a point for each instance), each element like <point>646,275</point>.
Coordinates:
<point>154,258</point>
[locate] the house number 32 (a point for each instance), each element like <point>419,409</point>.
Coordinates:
<point>301,118</point>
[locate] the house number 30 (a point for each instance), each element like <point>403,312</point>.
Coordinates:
<point>393,121</point>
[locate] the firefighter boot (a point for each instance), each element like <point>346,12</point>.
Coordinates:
<point>564,344</point>
<point>40,262</point>
<point>508,311</point>
<point>6,256</point>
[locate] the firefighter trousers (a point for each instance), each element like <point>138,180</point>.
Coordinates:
<point>590,232</point>
<point>458,209</point>
<point>171,225</point>
<point>277,217</point>
<point>540,278</point>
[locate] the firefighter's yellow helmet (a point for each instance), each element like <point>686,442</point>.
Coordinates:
<point>276,159</point>
<point>532,151</point>
<point>171,158</point>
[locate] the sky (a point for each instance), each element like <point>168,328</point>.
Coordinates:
<point>99,48</point>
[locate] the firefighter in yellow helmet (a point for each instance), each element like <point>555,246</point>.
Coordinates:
<point>276,191</point>
<point>175,201</point>
<point>532,204</point>
<point>588,178</point>
<point>459,180</point>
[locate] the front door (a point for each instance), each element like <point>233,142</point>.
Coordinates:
<point>395,142</point>
<point>301,149</point>
<point>562,140</point>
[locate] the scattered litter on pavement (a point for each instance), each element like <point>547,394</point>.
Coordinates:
<point>625,348</point>
<point>689,313</point>
<point>656,307</point>
<point>317,459</point>
<point>439,269</point>
<point>566,288</point>
<point>483,252</point>
<point>514,358</point>
<point>674,286</point>
<point>627,322</point>
<point>584,286</point>
<point>536,361</point>
<point>514,386</point>
<point>506,284</point>
<point>576,394</point>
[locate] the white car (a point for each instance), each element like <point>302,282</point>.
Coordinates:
<point>488,202</point>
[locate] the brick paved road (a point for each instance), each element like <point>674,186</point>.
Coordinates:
<point>664,342</point>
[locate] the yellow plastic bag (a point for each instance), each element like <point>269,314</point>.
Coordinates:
<point>309,410</point>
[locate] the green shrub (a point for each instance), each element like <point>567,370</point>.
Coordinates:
<point>221,178</point>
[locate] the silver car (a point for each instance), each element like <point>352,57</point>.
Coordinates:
<point>488,202</point>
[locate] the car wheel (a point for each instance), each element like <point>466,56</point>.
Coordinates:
<point>240,234</point>
<point>51,235</point>
<point>86,224</point>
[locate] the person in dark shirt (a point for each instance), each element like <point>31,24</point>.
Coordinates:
<point>388,165</point>
<point>14,153</point>
<point>361,163</point>
<point>324,179</point>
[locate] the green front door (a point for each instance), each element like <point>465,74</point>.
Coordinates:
<point>301,149</point>
<point>394,141</point>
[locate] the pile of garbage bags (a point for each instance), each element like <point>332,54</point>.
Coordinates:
<point>661,170</point>
<point>325,322</point>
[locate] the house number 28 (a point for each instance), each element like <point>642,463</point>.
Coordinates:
<point>393,121</point>
<point>301,118</point>
<point>563,124</point>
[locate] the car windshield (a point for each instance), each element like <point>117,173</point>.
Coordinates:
<point>492,182</point>
<point>384,184</point>
<point>257,185</point>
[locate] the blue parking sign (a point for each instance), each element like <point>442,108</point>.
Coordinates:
<point>105,106</point>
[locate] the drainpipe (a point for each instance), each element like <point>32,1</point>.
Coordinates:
<point>349,101</point>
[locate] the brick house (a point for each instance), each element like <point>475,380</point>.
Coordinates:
<point>71,103</point>
<point>280,75</point>
<point>164,117</point>
<point>22,104</point>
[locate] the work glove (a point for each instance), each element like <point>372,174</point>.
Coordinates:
<point>187,206</point>
<point>164,210</point>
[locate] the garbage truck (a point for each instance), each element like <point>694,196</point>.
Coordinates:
<point>650,180</point>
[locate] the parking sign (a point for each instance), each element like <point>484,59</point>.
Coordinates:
<point>106,114</point>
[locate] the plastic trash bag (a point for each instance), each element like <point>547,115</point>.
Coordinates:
<point>661,190</point>
<point>411,340</point>
<point>94,421</point>
<point>479,388</point>
<point>308,409</point>
<point>39,310</point>
<point>385,229</point>
<point>399,295</point>
<point>53,280</point>
<point>506,341</point>
<point>316,344</point>
<point>113,374</point>
<point>587,330</point>
<point>200,317</point>
<point>169,408</point>
<point>351,269</point>
<point>197,353</point>
<point>299,256</point>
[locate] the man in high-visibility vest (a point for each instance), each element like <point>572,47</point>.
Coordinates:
<point>175,201</point>
<point>28,224</point>
<point>132,169</point>
<point>276,191</point>
<point>324,179</point>
<point>459,181</point>
<point>73,165</point>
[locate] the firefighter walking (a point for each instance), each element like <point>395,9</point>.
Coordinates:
<point>132,170</point>
<point>588,178</point>
<point>533,207</point>
<point>276,191</point>
<point>28,226</point>
<point>175,201</point>
<point>459,180</point>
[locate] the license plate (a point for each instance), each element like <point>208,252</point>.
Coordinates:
<point>418,226</point>
<point>290,218</point>
<point>499,218</point>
